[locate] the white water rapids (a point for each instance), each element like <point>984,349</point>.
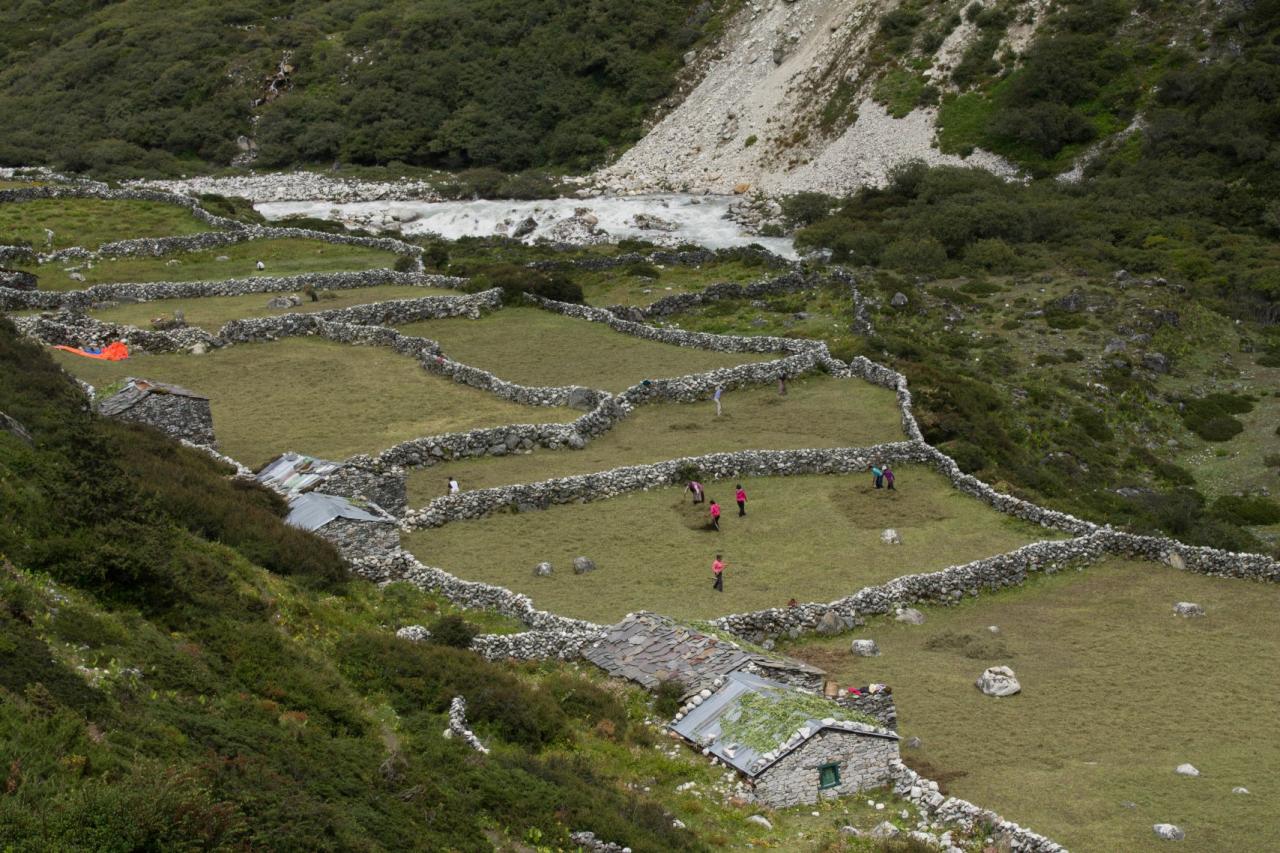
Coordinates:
<point>701,220</point>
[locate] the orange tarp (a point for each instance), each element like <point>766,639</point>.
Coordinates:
<point>115,351</point>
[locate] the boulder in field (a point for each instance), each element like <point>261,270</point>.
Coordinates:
<point>1169,832</point>
<point>582,565</point>
<point>998,681</point>
<point>865,648</point>
<point>1188,609</point>
<point>542,570</point>
<point>909,615</point>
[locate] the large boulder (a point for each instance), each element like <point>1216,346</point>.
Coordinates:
<point>1169,832</point>
<point>865,648</point>
<point>899,300</point>
<point>830,623</point>
<point>998,681</point>
<point>1188,609</point>
<point>542,570</point>
<point>414,633</point>
<point>582,565</point>
<point>525,228</point>
<point>1186,770</point>
<point>909,615</point>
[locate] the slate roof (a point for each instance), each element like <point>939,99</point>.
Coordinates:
<point>137,390</point>
<point>294,473</point>
<point>312,510</point>
<point>702,726</point>
<point>648,649</point>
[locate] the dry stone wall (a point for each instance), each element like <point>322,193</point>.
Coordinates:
<point>864,762</point>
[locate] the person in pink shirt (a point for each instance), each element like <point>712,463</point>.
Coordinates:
<point>715,514</point>
<point>717,568</point>
<point>742,501</point>
<point>696,488</point>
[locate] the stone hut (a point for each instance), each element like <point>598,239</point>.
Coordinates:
<point>356,531</point>
<point>296,473</point>
<point>649,649</point>
<point>788,746</point>
<point>175,410</point>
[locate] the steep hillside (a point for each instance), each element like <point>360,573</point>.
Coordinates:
<point>828,95</point>
<point>145,86</point>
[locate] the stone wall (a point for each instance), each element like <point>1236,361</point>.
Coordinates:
<point>964,815</point>
<point>176,415</point>
<point>458,726</point>
<point>666,258</point>
<point>357,540</point>
<point>865,762</point>
<point>151,291</point>
<point>879,706</point>
<point>790,282</point>
<point>77,330</point>
<point>361,478</point>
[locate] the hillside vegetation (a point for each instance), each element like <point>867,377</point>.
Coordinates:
<point>145,86</point>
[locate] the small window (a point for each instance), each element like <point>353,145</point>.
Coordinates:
<point>828,776</point>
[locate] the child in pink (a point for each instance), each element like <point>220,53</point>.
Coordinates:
<point>742,501</point>
<point>715,514</point>
<point>717,568</point>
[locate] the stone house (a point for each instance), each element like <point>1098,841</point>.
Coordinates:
<point>170,408</point>
<point>788,746</point>
<point>356,531</point>
<point>295,473</point>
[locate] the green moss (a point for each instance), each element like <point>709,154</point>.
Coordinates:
<point>765,721</point>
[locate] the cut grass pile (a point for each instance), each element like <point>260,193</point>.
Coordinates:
<point>281,257</point>
<point>818,411</point>
<point>211,312</point>
<point>536,347</point>
<point>90,222</point>
<point>316,397</point>
<point>1117,691</point>
<point>812,538</point>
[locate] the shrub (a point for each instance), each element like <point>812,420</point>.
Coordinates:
<point>1250,510</point>
<point>804,209</point>
<point>668,696</point>
<point>1211,418</point>
<point>516,281</point>
<point>453,631</point>
<point>921,255</point>
<point>994,255</point>
<point>642,269</point>
<point>404,263</point>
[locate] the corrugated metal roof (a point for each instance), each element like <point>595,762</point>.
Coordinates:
<point>702,725</point>
<point>312,510</point>
<point>137,390</point>
<point>293,472</point>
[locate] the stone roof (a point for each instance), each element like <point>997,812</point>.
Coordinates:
<point>648,649</point>
<point>702,725</point>
<point>137,390</point>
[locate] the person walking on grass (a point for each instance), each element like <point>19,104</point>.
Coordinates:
<point>696,488</point>
<point>741,497</point>
<point>878,474</point>
<point>453,486</point>
<point>717,569</point>
<point>714,510</point>
<point>719,391</point>
<point>888,478</point>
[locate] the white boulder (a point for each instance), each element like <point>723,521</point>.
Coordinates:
<point>998,681</point>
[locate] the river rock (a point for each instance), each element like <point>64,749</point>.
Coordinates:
<point>582,565</point>
<point>865,648</point>
<point>526,227</point>
<point>998,681</point>
<point>1169,832</point>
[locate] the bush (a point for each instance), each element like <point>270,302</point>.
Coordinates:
<point>516,281</point>
<point>453,631</point>
<point>642,269</point>
<point>1211,418</point>
<point>804,209</point>
<point>920,255</point>
<point>404,263</point>
<point>1247,511</point>
<point>993,255</point>
<point>669,695</point>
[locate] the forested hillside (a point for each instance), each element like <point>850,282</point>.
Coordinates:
<point>143,85</point>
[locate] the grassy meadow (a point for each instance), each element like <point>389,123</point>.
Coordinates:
<point>536,347</point>
<point>316,397</point>
<point>818,411</point>
<point>211,312</point>
<point>90,222</point>
<point>281,257</point>
<point>1117,691</point>
<point>624,286</point>
<point>812,538</point>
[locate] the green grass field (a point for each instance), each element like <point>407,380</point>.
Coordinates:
<point>1117,691</point>
<point>316,397</point>
<point>619,287</point>
<point>536,347</point>
<point>282,257</point>
<point>211,312</point>
<point>812,538</point>
<point>90,222</point>
<point>818,411</point>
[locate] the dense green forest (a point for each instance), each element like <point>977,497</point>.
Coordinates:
<point>170,675</point>
<point>149,86</point>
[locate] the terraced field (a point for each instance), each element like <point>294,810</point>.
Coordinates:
<point>90,222</point>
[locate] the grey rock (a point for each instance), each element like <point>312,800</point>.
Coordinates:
<point>582,399</point>
<point>913,742</point>
<point>283,302</point>
<point>889,536</point>
<point>1239,789</point>
<point>1114,345</point>
<point>1168,832</point>
<point>760,820</point>
<point>998,681</point>
<point>582,565</point>
<point>909,615</point>
<point>830,623</point>
<point>851,831</point>
<point>1186,770</point>
<point>1072,303</point>
<point>414,633</point>
<point>899,300</point>
<point>542,570</point>
<point>883,830</point>
<point>865,648</point>
<point>1156,362</point>
<point>1188,609</point>
<point>526,227</point>
<point>11,425</point>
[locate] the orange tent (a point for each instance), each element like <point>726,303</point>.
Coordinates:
<point>114,351</point>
